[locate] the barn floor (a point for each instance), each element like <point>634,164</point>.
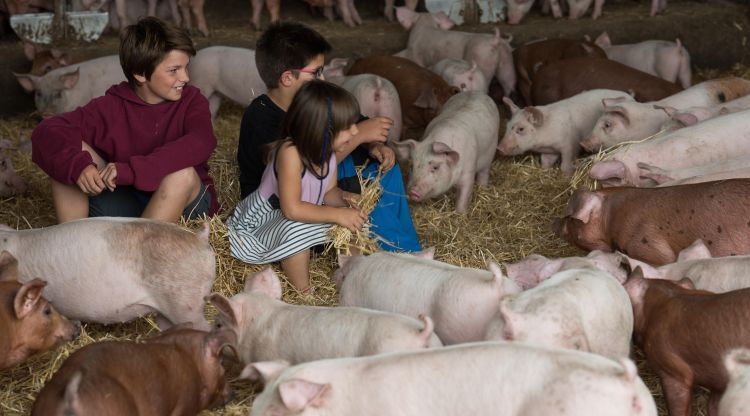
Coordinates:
<point>508,219</point>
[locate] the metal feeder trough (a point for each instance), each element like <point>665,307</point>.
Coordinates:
<point>490,11</point>
<point>37,27</point>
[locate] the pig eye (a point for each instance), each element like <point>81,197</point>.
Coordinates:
<point>607,125</point>
<point>48,310</point>
<point>434,168</point>
<point>520,130</point>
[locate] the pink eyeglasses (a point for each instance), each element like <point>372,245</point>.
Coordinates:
<point>317,72</point>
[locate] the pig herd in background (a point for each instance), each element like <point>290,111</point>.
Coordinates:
<point>666,269</point>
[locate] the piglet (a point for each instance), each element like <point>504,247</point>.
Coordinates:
<point>457,148</point>
<point>461,74</point>
<point>178,372</point>
<point>376,95</point>
<point>461,301</point>
<point>654,224</point>
<point>554,130</point>
<point>478,379</point>
<point>562,79</point>
<point>531,56</point>
<point>631,121</point>
<point>190,9</point>
<point>736,398</point>
<point>714,274</point>
<point>109,270</point>
<point>261,322</point>
<point>665,59</point>
<point>582,309</point>
<point>28,322</point>
<point>535,269</point>
<point>59,91</point>
<point>10,182</point>
<point>673,322</point>
<point>421,92</point>
<point>226,72</point>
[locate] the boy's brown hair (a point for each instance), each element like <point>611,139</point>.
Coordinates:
<point>284,46</point>
<point>144,45</point>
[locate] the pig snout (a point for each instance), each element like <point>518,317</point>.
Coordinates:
<point>591,144</point>
<point>415,195</point>
<point>507,146</point>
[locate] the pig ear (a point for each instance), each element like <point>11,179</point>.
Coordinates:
<point>686,119</point>
<point>737,361</point>
<point>342,260</point>
<point>603,40</point>
<point>695,251</point>
<point>443,21</point>
<point>336,67</point>
<point>29,50</point>
<point>28,297</point>
<point>217,340</point>
<point>511,105</point>
<point>618,110</point>
<point>442,148</point>
<point>70,79</point>
<point>265,371</point>
<point>8,267</point>
<point>71,392</point>
<point>406,17</point>
<point>297,394</point>
<point>404,148</point>
<point>427,99</point>
<point>428,253</point>
<point>647,271</point>
<point>685,283</point>
<point>204,232</point>
<point>654,173</point>
<point>635,284</point>
<point>630,371</point>
<point>723,111</point>
<point>265,281</point>
<point>534,115</point>
<point>611,102</point>
<point>224,306</point>
<point>608,169</point>
<point>510,319</point>
<point>667,109</point>
<point>583,204</point>
<point>497,272</point>
<point>27,81</point>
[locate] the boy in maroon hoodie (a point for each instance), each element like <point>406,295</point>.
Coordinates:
<point>141,149</point>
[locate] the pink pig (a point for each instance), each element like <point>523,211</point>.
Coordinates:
<point>262,323</point>
<point>535,269</point>
<point>226,72</point>
<point>461,74</point>
<point>273,6</point>
<point>478,379</point>
<point>457,148</point>
<point>461,301</point>
<point>110,270</point>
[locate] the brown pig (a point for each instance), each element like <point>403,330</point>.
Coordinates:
<point>28,322</point>
<point>566,78</point>
<point>685,334</point>
<point>421,92</point>
<point>178,372</point>
<point>530,57</point>
<point>654,224</point>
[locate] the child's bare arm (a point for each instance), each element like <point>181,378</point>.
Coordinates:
<point>371,130</point>
<point>289,168</point>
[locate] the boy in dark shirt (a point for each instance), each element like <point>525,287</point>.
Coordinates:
<point>141,149</point>
<point>288,55</point>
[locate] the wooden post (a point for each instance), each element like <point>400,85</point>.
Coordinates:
<point>471,12</point>
<point>58,23</point>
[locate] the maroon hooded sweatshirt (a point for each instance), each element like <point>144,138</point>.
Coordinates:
<point>145,141</point>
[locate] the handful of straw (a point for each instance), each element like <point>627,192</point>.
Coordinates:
<point>341,238</point>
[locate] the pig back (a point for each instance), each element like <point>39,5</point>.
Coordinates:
<point>413,83</point>
<point>530,57</point>
<point>563,79</point>
<point>469,124</point>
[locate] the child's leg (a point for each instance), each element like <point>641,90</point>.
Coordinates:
<point>69,200</point>
<point>175,192</point>
<point>297,269</point>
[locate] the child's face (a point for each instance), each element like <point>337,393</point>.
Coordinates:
<point>167,81</point>
<point>308,75</point>
<point>344,137</point>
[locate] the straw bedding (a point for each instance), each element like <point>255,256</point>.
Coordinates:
<point>507,220</point>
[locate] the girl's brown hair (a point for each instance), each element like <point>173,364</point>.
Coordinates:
<point>318,113</point>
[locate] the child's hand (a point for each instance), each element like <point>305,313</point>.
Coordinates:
<point>352,219</point>
<point>109,174</point>
<point>374,129</point>
<point>384,154</point>
<point>90,181</point>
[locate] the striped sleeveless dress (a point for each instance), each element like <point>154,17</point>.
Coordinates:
<point>258,231</point>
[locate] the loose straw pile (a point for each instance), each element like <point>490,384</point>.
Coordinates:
<point>364,240</point>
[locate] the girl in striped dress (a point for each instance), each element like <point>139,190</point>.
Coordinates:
<point>298,199</point>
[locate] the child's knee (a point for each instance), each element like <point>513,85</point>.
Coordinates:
<point>183,180</point>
